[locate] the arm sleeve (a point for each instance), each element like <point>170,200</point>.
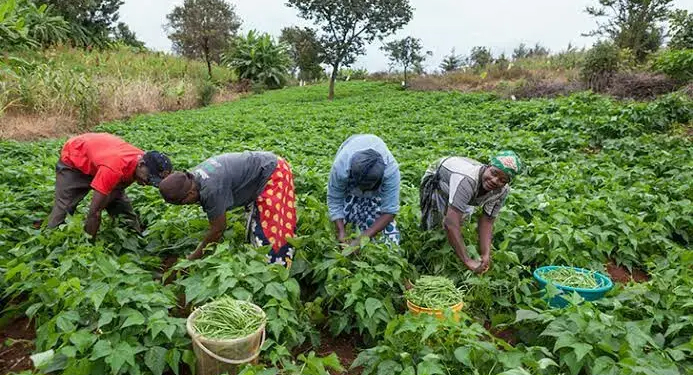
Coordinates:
<point>105,180</point>
<point>390,193</point>
<point>215,205</point>
<point>461,191</point>
<point>492,208</point>
<point>336,191</point>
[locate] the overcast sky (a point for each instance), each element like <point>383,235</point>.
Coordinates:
<point>440,24</point>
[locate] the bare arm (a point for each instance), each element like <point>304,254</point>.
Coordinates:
<point>214,233</point>
<point>341,231</point>
<point>485,228</point>
<point>379,225</point>
<point>98,202</point>
<point>452,224</point>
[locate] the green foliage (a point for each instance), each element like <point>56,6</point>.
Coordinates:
<point>451,62</point>
<point>124,35</point>
<point>259,58</point>
<point>348,27</point>
<point>522,52</point>
<point>681,23</point>
<point>677,64</point>
<point>606,180</point>
<point>601,62</point>
<point>305,52</point>
<point>90,21</point>
<point>202,29</point>
<point>25,25</point>
<point>205,93</point>
<point>406,52</point>
<point>632,24</point>
<point>480,57</point>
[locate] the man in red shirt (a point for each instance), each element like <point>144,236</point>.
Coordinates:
<point>106,164</point>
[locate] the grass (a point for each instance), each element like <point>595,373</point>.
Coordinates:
<point>65,90</point>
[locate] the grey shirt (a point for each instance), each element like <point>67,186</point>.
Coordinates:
<point>460,185</point>
<point>232,180</point>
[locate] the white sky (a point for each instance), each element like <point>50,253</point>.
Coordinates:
<point>440,24</point>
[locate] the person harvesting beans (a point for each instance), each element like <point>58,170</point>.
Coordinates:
<point>453,187</point>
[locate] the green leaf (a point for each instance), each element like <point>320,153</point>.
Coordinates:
<point>388,367</point>
<point>581,350</point>
<point>173,360</point>
<point>155,359</point>
<point>66,320</point>
<point>42,359</point>
<point>276,291</point>
<point>121,354</point>
<point>521,315</point>
<point>101,349</point>
<point>97,293</point>
<point>132,317</point>
<point>83,339</point>
<point>563,341</point>
<point>372,305</point>
<point>106,317</point>
<point>463,355</point>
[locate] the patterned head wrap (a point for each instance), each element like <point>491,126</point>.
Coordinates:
<point>508,162</point>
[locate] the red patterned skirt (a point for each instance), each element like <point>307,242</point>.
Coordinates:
<point>273,217</point>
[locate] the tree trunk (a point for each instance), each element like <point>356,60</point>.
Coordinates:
<point>209,67</point>
<point>405,77</point>
<point>333,77</point>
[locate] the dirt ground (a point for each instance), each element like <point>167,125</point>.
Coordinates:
<point>620,274</point>
<point>14,357</point>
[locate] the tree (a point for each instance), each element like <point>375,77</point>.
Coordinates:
<point>632,24</point>
<point>681,22</point>
<point>406,52</point>
<point>124,35</point>
<point>305,51</point>
<point>202,29</point>
<point>451,62</point>
<point>480,57</point>
<point>520,52</point>
<point>91,20</point>
<point>348,25</point>
<point>259,58</point>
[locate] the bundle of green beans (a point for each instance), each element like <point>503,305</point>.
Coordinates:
<point>571,278</point>
<point>434,292</point>
<point>228,318</point>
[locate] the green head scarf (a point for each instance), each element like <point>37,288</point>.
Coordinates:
<point>508,162</point>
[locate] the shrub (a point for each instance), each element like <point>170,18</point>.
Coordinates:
<point>544,88</point>
<point>205,93</point>
<point>677,64</point>
<point>600,64</point>
<point>260,58</point>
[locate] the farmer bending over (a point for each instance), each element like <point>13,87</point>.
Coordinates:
<point>363,189</point>
<point>260,180</point>
<point>106,164</point>
<point>453,186</point>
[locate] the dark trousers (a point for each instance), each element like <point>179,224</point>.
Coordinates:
<point>71,186</point>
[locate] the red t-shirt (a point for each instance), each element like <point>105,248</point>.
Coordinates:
<point>108,158</point>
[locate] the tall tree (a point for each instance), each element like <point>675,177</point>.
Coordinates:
<point>347,26</point>
<point>633,24</point>
<point>407,52</point>
<point>95,18</point>
<point>521,52</point>
<point>305,51</point>
<point>124,35</point>
<point>202,29</point>
<point>451,62</point>
<point>480,57</point>
<point>681,23</point>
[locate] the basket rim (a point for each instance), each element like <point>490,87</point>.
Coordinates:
<point>191,330</point>
<point>602,289</point>
<point>428,309</point>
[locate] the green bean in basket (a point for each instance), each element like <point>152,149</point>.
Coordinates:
<point>434,292</point>
<point>227,318</point>
<point>571,278</point>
